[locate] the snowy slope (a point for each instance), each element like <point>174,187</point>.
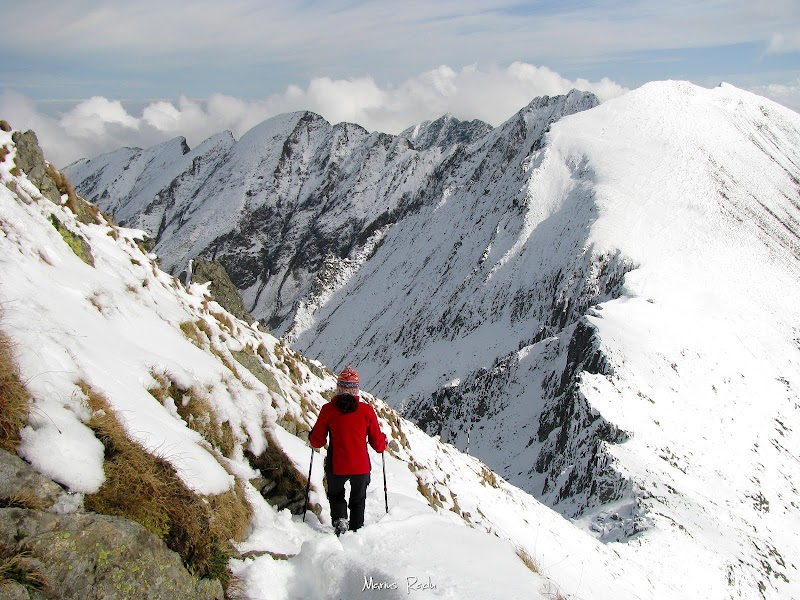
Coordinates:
<point>602,306</point>
<point>271,206</point>
<point>119,323</point>
<point>616,320</point>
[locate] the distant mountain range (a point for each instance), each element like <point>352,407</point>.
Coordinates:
<point>600,301</point>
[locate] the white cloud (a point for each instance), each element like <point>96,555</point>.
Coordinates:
<point>93,116</point>
<point>99,125</point>
<point>786,94</point>
<point>784,43</point>
<point>493,94</point>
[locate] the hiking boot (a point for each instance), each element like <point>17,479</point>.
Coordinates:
<point>340,526</point>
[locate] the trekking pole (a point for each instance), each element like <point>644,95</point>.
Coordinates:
<point>308,485</point>
<point>385,492</point>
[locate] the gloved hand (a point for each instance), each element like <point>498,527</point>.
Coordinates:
<point>394,446</point>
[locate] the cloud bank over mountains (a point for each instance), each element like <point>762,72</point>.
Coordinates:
<point>98,124</point>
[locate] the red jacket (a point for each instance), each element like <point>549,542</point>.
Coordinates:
<point>349,433</point>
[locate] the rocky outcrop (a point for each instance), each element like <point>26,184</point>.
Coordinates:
<point>83,554</point>
<point>445,131</point>
<point>87,555</point>
<point>221,288</point>
<point>30,159</point>
<point>19,480</point>
<point>579,472</point>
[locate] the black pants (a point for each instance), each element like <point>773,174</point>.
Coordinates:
<point>358,497</point>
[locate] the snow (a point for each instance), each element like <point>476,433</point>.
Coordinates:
<point>695,192</point>
<point>408,553</point>
<point>115,328</point>
<point>690,195</point>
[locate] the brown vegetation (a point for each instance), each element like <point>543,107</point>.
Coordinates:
<point>64,186</point>
<point>528,560</point>
<point>488,477</point>
<point>277,467</point>
<point>146,489</point>
<point>17,567</point>
<point>14,398</point>
<point>196,412</point>
<point>28,501</point>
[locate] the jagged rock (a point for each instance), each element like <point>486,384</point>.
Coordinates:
<point>445,131</point>
<point>87,555</point>
<point>30,159</point>
<point>18,479</point>
<point>222,288</point>
<point>254,365</point>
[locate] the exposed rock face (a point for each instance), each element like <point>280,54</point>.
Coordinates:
<point>30,159</point>
<point>87,555</point>
<point>445,131</point>
<point>222,288</point>
<point>17,478</point>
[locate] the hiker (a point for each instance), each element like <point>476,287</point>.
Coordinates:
<point>350,424</point>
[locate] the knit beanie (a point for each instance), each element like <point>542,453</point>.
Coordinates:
<point>348,382</point>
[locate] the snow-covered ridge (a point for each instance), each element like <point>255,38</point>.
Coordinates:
<point>604,297</point>
<point>118,324</point>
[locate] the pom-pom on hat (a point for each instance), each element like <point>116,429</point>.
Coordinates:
<point>348,382</point>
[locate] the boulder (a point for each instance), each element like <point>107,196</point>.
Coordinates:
<point>30,159</point>
<point>93,556</point>
<point>222,288</point>
<point>86,555</point>
<point>19,480</point>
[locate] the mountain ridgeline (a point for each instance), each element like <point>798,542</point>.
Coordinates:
<point>589,297</point>
<point>296,207</point>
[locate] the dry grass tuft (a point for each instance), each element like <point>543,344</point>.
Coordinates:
<point>230,513</point>
<point>236,588</point>
<point>18,567</point>
<point>225,321</point>
<point>196,412</point>
<point>288,362</point>
<point>488,477</point>
<point>393,420</point>
<point>15,400</point>
<point>64,186</point>
<point>146,489</point>
<point>24,500</point>
<point>194,334</point>
<point>433,496</point>
<point>138,486</point>
<point>528,560</point>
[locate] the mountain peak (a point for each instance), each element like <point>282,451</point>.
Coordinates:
<point>445,131</point>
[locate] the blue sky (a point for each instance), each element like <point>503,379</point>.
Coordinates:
<point>383,64</point>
